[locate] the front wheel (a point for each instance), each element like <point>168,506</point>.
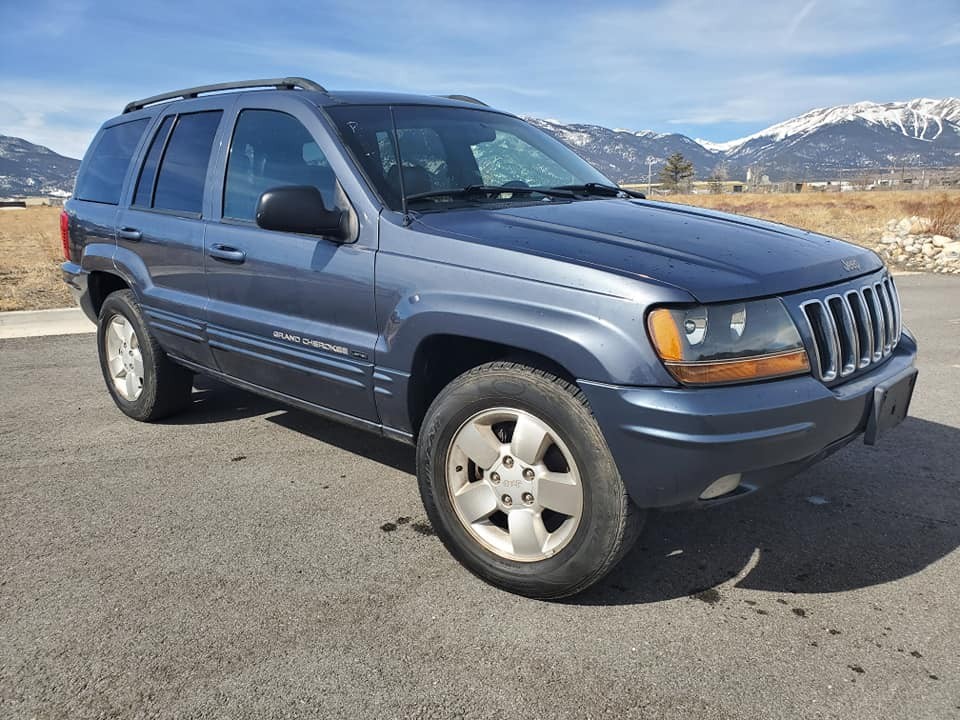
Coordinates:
<point>518,481</point>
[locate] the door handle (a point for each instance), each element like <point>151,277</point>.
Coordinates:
<point>129,233</point>
<point>227,253</point>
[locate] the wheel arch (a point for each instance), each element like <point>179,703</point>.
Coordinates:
<point>442,357</point>
<point>101,284</point>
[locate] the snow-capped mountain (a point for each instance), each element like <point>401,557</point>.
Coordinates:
<point>921,119</point>
<point>865,135</point>
<point>28,169</point>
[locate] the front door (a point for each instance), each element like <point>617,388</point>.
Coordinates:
<point>287,312</point>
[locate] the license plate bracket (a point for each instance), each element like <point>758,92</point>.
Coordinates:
<point>891,401</point>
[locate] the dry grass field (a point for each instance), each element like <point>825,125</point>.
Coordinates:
<point>859,217</point>
<point>30,257</point>
<point>30,252</point>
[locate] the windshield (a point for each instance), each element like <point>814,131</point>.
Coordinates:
<point>443,148</point>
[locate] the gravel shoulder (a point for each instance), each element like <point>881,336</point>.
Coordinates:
<point>250,561</point>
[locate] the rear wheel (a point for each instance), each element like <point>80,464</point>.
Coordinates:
<point>519,483</point>
<point>144,383</point>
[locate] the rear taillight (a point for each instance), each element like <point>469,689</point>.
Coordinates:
<point>65,233</point>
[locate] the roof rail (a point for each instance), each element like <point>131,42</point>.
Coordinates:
<point>465,98</point>
<point>289,83</point>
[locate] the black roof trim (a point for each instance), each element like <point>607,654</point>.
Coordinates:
<point>464,98</point>
<point>290,83</point>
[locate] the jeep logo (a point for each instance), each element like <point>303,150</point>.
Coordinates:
<point>850,264</point>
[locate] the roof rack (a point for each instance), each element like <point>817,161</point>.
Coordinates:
<point>465,98</point>
<point>289,83</point>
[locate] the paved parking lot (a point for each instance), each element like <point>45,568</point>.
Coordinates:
<point>249,561</point>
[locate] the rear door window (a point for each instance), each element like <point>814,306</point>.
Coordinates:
<point>148,174</point>
<point>183,167</point>
<point>101,179</point>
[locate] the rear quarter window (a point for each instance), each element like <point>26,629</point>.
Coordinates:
<point>101,178</point>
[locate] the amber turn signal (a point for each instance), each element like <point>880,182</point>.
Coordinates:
<point>665,334</point>
<point>760,367</point>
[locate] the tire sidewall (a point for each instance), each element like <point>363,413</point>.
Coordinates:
<point>124,303</point>
<point>597,535</point>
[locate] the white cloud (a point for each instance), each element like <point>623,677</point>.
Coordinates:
<point>689,63</point>
<point>61,118</point>
<point>797,19</point>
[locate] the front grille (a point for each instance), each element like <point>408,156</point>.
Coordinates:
<point>853,329</point>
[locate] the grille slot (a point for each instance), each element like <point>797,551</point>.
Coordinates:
<point>861,320</point>
<point>853,330</point>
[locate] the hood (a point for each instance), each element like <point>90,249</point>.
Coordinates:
<point>713,256</point>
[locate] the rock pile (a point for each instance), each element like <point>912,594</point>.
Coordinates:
<point>910,243</point>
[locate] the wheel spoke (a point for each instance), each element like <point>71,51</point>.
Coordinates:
<point>479,444</point>
<point>116,329</point>
<point>476,501</point>
<point>559,492</point>
<point>530,440</point>
<point>115,365</point>
<point>527,531</point>
<point>137,364</point>
<point>128,334</point>
<point>132,385</point>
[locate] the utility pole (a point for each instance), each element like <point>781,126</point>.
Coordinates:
<point>650,162</point>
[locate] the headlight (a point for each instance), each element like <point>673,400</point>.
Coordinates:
<point>734,342</point>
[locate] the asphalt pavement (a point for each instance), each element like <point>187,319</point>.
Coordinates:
<point>244,560</point>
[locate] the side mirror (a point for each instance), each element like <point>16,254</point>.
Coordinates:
<point>298,209</point>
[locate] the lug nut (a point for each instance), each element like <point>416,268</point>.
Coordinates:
<point>527,498</point>
<point>494,478</point>
<point>508,462</point>
<point>507,500</point>
<point>528,474</point>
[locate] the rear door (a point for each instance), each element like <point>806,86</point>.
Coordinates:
<point>291,313</point>
<point>160,231</point>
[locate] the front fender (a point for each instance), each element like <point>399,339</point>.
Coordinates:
<point>598,338</point>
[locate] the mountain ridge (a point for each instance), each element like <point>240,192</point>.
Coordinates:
<point>816,145</point>
<point>30,169</point>
<point>869,136</point>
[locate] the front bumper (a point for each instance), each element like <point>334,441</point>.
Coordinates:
<point>670,444</point>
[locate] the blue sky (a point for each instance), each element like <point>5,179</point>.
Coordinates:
<point>710,69</point>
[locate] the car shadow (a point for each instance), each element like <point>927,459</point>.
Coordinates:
<point>216,402</point>
<point>381,450</point>
<point>863,517</point>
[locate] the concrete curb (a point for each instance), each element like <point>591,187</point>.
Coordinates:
<point>37,323</point>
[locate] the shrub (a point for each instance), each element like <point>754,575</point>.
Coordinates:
<point>944,214</point>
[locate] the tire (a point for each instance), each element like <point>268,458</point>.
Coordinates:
<point>144,383</point>
<point>551,540</point>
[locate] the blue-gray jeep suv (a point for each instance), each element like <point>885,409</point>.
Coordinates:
<point>564,354</point>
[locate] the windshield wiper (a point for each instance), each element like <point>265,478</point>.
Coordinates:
<point>490,190</point>
<point>601,190</point>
